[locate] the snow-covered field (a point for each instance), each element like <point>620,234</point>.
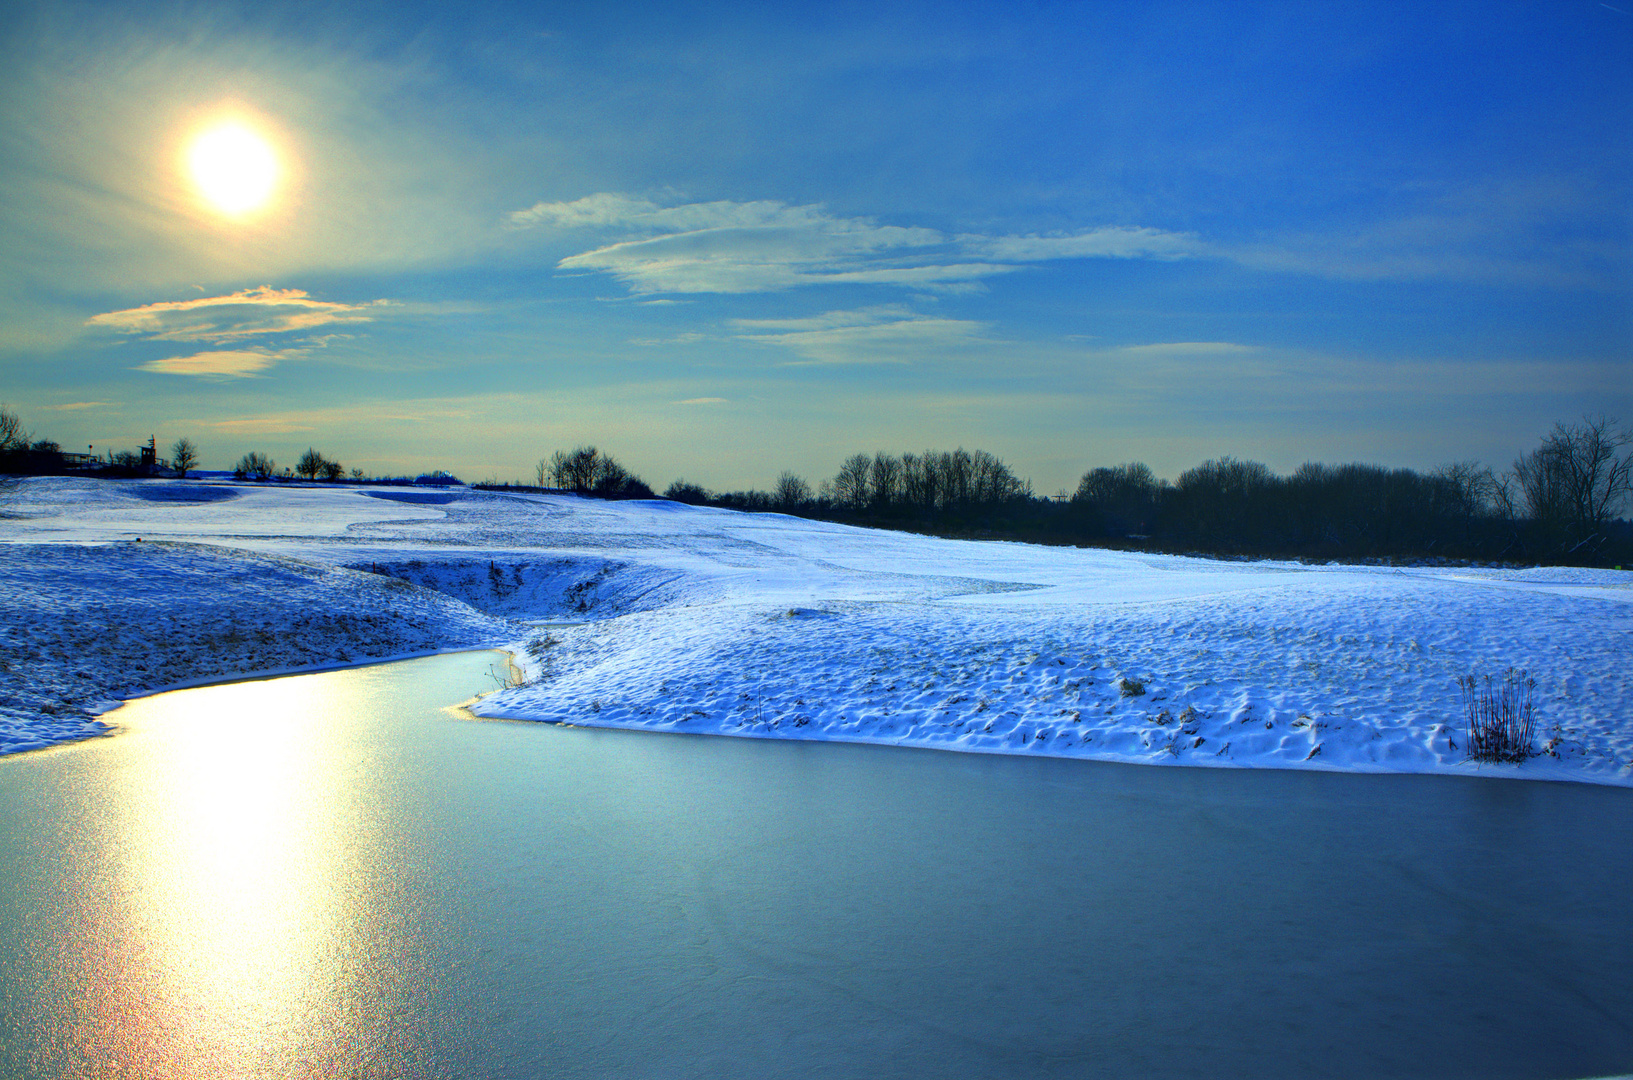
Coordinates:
<point>673,618</point>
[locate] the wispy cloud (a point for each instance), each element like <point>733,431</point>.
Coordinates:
<point>74,406</point>
<point>259,425</point>
<point>223,363</point>
<point>955,277</point>
<point>1104,243</point>
<point>1185,348</point>
<point>701,401</point>
<point>608,210</point>
<point>762,258</point>
<point>868,335</point>
<point>1491,232</point>
<point>688,338</point>
<point>766,246</point>
<point>223,319</point>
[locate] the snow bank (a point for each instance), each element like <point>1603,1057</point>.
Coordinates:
<point>672,618</point>
<point>87,625</point>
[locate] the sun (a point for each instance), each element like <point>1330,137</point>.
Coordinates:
<point>234,168</point>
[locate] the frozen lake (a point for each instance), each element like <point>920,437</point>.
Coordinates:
<point>332,875</point>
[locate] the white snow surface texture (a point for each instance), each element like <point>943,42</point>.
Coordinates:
<point>665,617</point>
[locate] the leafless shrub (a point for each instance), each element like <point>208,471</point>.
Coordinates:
<point>255,466</point>
<point>1501,722</point>
<point>509,679</point>
<point>684,491</point>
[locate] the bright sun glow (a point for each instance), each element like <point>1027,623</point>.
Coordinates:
<point>235,169</point>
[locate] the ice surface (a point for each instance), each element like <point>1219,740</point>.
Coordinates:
<point>675,618</point>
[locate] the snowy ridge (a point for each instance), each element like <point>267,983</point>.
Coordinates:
<point>88,625</point>
<point>535,588</point>
<point>1224,684</point>
<point>672,618</point>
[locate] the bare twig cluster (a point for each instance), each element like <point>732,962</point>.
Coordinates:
<point>1501,722</point>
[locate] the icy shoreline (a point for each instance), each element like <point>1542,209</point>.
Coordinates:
<point>703,621</point>
<point>90,626</point>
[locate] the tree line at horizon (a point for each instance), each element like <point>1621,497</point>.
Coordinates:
<point>1557,503</point>
<point>22,453</point>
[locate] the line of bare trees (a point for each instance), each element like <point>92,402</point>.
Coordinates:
<point>1557,503</point>
<point>882,485</point>
<point>938,479</point>
<point>587,471</point>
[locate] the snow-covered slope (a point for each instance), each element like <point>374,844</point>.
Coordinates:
<point>676,618</point>
<point>86,625</point>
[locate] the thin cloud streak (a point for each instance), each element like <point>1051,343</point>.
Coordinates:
<point>1186,348</point>
<point>1105,243</point>
<point>866,336</point>
<point>730,247</point>
<point>257,425</point>
<point>225,363</point>
<point>768,246</point>
<point>221,319</point>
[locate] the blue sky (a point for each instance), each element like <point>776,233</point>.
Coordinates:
<point>722,241</point>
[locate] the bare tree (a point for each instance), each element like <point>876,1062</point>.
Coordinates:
<point>608,478</point>
<point>884,479</point>
<point>12,435</point>
<point>916,486</point>
<point>1469,485</point>
<point>577,470</point>
<point>850,485</point>
<point>1110,484</point>
<point>1574,482</point>
<point>255,466</point>
<point>183,456</point>
<point>791,492</point>
<point>1124,496</point>
<point>332,471</point>
<point>310,464</point>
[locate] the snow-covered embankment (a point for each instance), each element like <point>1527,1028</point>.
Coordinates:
<point>692,620</point>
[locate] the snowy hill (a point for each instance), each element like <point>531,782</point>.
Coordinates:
<point>676,618</point>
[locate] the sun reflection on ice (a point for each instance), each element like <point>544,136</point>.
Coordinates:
<point>253,935</point>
